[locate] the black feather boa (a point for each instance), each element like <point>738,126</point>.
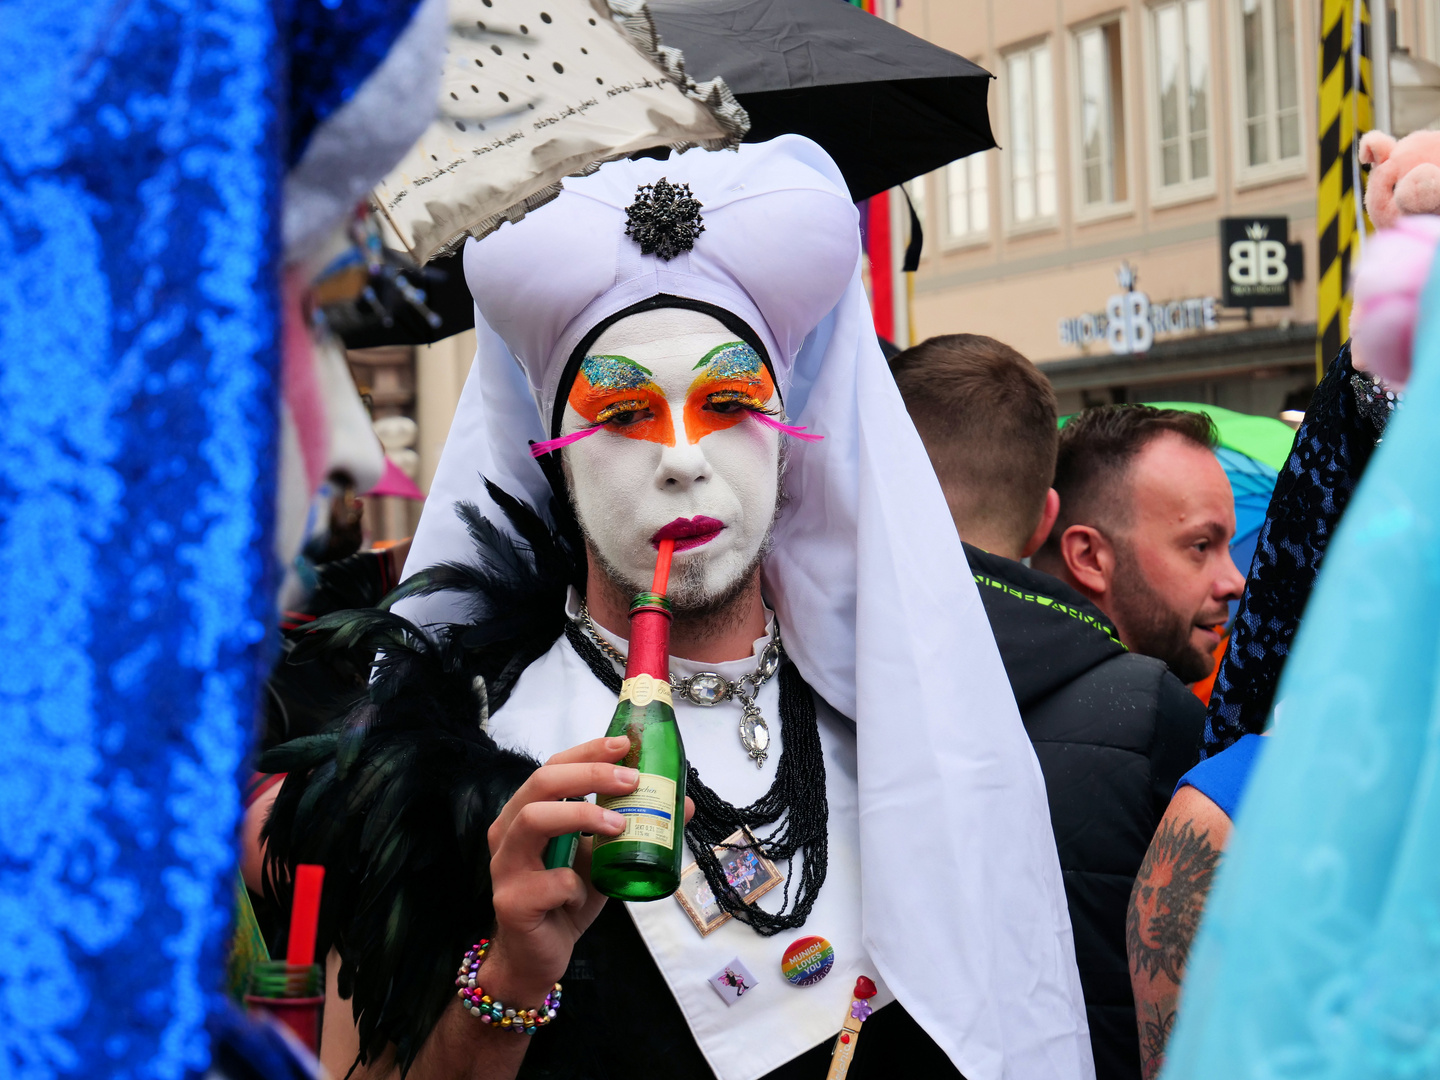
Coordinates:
<point>395,799</point>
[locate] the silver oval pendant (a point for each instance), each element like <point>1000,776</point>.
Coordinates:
<point>755,736</point>
<point>707,689</point>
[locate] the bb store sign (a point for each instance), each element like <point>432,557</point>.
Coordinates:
<point>1130,322</point>
<point>1258,263</point>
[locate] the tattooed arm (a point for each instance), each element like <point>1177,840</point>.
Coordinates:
<point>1165,907</point>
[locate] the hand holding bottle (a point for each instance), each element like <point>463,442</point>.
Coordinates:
<point>540,913</point>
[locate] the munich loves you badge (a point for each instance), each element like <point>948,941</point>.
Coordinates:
<point>807,961</point>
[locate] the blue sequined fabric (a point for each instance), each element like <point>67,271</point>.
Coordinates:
<point>138,331</point>
<point>1332,447</point>
<point>141,158</point>
<point>340,42</point>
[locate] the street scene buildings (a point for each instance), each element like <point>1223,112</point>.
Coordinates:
<point>1129,131</point>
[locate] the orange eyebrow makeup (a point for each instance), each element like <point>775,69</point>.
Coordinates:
<point>733,383</point>
<point>610,389</point>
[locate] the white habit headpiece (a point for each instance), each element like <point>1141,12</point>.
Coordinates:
<point>963,904</point>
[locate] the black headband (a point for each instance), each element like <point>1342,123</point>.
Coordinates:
<point>729,320</point>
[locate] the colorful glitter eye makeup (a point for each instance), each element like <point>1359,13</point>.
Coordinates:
<point>733,384</point>
<point>734,358</point>
<point>620,394</point>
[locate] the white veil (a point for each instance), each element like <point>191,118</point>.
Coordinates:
<point>963,904</point>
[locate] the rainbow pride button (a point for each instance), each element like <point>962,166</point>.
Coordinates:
<point>807,961</point>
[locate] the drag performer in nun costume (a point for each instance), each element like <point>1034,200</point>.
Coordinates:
<point>699,363</point>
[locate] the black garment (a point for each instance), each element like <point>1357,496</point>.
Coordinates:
<point>395,798</point>
<point>1344,423</point>
<point>1114,732</point>
<point>301,698</point>
<point>620,1022</point>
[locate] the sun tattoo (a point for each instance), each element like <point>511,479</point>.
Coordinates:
<point>1168,899</point>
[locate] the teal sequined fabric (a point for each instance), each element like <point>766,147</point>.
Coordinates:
<point>1319,954</point>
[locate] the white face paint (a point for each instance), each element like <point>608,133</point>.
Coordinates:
<point>678,452</point>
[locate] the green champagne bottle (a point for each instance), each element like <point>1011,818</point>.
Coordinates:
<point>643,862</point>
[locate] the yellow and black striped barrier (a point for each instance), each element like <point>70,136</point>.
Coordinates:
<point>1344,115</point>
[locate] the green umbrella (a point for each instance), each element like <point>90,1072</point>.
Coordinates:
<point>1260,437</point>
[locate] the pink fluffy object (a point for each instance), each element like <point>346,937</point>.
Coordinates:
<point>1388,283</point>
<point>1404,175</point>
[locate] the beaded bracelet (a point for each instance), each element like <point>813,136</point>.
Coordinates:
<point>478,1003</point>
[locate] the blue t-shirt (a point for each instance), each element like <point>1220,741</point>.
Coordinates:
<point>1222,778</point>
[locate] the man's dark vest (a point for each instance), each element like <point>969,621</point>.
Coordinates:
<point>1114,732</point>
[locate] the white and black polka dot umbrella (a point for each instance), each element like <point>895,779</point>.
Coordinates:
<point>535,90</point>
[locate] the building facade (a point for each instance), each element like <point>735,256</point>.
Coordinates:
<point>1091,241</point>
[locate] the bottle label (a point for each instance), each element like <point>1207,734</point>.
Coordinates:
<point>649,812</point>
<point>643,689</point>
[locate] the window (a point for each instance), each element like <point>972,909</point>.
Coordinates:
<point>967,198</point>
<point>1032,135</point>
<point>1270,92</point>
<point>1182,83</point>
<point>1102,116</point>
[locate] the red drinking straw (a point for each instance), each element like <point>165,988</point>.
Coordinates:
<point>304,914</point>
<point>662,567</point>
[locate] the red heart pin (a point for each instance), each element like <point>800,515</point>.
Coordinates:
<point>864,988</point>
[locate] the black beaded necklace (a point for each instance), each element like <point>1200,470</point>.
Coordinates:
<point>796,803</point>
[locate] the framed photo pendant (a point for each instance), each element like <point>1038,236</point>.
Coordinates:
<point>748,872</point>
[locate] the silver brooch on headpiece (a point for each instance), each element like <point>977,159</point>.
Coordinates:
<point>664,219</point>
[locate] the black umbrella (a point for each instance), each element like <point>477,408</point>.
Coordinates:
<point>885,104</point>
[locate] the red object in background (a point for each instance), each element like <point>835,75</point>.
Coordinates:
<point>300,1015</point>
<point>882,264</point>
<point>1206,686</point>
<point>878,245</point>
<point>304,914</point>
<point>292,990</point>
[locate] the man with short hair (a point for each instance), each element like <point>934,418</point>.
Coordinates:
<point>1113,731</point>
<point>1146,519</point>
<point>987,418</point>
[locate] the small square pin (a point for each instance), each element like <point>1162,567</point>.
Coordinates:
<point>733,981</point>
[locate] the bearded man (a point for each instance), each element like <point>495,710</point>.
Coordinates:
<point>683,349</point>
<point>1146,519</point>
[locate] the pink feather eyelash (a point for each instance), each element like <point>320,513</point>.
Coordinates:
<point>540,449</point>
<point>789,429</point>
